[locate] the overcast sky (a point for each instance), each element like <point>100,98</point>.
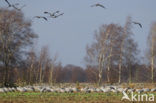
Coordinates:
<point>69,34</point>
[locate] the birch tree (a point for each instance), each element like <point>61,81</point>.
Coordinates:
<point>31,65</point>
<point>43,62</point>
<point>152,49</point>
<point>105,47</point>
<point>52,66</point>
<point>128,50</point>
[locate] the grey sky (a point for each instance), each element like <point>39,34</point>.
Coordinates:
<point>68,35</point>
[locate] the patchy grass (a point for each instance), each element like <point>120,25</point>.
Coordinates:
<point>36,97</point>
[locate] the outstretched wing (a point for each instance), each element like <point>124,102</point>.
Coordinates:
<point>36,17</point>
<point>56,16</point>
<point>140,25</point>
<point>45,18</point>
<point>50,14</point>
<point>137,23</point>
<point>47,12</point>
<point>101,6</point>
<point>9,5</point>
<point>39,17</point>
<point>61,14</point>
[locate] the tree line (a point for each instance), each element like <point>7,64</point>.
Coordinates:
<point>113,56</point>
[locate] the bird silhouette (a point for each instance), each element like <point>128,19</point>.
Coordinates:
<point>137,23</point>
<point>56,16</point>
<point>51,14</point>
<point>41,17</point>
<point>9,5</point>
<point>100,5</point>
<point>60,15</point>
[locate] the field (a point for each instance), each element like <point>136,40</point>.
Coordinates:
<point>37,97</point>
<point>75,97</point>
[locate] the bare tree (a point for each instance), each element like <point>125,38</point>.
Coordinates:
<point>15,36</point>
<point>126,27</point>
<point>91,74</point>
<point>152,49</point>
<point>44,59</point>
<point>52,66</point>
<point>128,50</point>
<point>30,64</point>
<point>105,48</point>
<point>113,46</point>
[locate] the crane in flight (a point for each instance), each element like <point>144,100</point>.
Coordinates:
<point>55,14</point>
<point>137,23</point>
<point>98,5</point>
<point>51,14</point>
<point>41,17</point>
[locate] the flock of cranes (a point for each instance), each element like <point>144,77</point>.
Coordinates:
<point>56,14</point>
